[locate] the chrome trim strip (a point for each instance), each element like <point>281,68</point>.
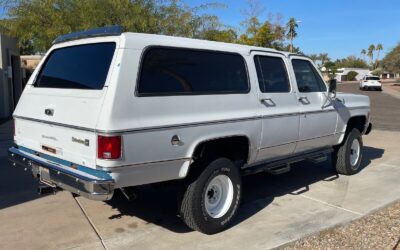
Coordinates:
<point>110,169</point>
<point>174,126</point>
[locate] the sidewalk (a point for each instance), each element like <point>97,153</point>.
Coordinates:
<point>392,89</point>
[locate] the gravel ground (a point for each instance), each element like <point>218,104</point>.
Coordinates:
<point>380,230</point>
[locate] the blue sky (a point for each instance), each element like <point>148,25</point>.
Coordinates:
<point>339,28</point>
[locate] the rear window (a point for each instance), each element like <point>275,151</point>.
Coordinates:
<point>172,71</point>
<point>77,67</point>
<point>373,78</point>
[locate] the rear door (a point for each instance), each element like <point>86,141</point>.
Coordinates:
<point>278,106</point>
<point>318,116</point>
<point>58,111</point>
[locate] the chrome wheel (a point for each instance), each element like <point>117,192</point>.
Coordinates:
<point>218,196</point>
<point>355,152</point>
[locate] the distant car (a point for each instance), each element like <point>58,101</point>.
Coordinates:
<point>371,82</point>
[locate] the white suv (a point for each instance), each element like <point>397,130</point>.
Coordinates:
<point>107,110</point>
<point>371,82</point>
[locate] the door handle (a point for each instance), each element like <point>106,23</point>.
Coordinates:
<point>268,102</point>
<point>304,100</point>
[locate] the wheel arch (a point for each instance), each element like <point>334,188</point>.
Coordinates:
<point>358,122</point>
<point>235,147</point>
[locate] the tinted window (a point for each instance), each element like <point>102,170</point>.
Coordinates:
<point>182,71</point>
<point>307,77</point>
<point>373,78</point>
<point>272,75</point>
<point>77,67</point>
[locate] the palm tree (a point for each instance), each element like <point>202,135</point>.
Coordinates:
<point>324,58</point>
<point>363,53</point>
<point>292,33</point>
<point>314,57</point>
<point>370,53</point>
<point>378,48</point>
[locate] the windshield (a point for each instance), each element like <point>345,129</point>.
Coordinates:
<point>372,78</point>
<point>77,67</point>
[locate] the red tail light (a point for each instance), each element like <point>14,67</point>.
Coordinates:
<point>365,81</point>
<point>109,147</point>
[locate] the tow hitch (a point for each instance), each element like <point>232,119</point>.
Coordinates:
<point>44,189</point>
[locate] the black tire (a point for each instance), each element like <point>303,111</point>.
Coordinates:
<point>341,155</point>
<point>192,204</point>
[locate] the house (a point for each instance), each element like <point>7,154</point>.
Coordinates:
<point>10,75</point>
<point>341,74</point>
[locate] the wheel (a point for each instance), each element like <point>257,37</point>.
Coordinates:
<point>212,199</point>
<point>347,157</point>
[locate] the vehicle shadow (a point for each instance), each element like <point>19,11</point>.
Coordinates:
<point>158,205</point>
<point>16,185</point>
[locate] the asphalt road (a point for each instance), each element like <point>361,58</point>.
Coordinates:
<point>385,109</point>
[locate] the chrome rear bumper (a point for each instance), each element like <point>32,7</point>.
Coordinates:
<point>91,184</point>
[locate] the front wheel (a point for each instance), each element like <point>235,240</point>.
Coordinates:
<point>211,200</point>
<point>347,157</point>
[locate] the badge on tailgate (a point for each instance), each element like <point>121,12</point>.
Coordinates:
<point>49,149</point>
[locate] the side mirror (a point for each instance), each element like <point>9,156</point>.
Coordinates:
<point>332,87</point>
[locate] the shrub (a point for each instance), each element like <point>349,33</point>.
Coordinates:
<point>351,76</point>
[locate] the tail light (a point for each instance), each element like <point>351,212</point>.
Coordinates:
<point>365,81</point>
<point>380,81</point>
<point>109,147</point>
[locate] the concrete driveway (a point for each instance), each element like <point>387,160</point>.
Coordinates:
<point>275,210</point>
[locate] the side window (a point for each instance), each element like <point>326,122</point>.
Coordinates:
<point>307,77</point>
<point>174,71</point>
<point>272,74</point>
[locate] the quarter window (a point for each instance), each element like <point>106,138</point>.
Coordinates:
<point>307,77</point>
<point>77,67</point>
<point>172,71</point>
<point>272,74</point>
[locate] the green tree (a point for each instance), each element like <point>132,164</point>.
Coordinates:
<point>38,22</point>
<point>351,76</point>
<point>331,69</point>
<point>391,62</point>
<point>314,58</point>
<point>351,62</point>
<point>324,58</point>
<point>228,36</point>
<point>291,34</point>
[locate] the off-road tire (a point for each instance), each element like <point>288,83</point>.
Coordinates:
<point>192,202</point>
<point>341,155</point>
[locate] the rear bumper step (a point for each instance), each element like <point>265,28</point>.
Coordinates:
<point>65,177</point>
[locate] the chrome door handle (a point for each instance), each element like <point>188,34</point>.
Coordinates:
<point>304,100</point>
<point>268,102</point>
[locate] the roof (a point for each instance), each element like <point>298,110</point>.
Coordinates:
<point>140,40</point>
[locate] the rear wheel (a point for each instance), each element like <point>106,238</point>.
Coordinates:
<point>347,157</point>
<point>212,199</point>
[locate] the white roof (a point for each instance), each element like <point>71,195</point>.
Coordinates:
<point>139,41</point>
